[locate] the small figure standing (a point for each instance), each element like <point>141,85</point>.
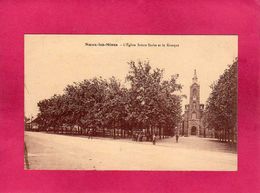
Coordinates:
<point>90,133</point>
<point>138,136</point>
<point>154,139</point>
<point>141,137</point>
<point>177,134</point>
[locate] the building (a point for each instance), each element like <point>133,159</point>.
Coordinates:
<point>192,123</point>
<point>32,125</point>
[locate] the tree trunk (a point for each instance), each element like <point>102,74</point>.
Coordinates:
<point>163,133</point>
<point>225,135</point>
<point>228,135</point>
<point>232,135</point>
<point>114,135</point>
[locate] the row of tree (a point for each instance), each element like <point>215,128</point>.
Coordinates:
<point>221,107</point>
<point>149,104</point>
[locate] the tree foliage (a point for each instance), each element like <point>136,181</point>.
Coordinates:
<point>99,104</point>
<point>221,107</point>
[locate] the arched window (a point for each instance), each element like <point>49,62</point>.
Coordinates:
<point>193,115</point>
<point>194,92</point>
<point>194,105</point>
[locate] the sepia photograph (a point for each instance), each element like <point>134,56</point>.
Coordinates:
<point>130,102</point>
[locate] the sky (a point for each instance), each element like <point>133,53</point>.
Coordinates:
<point>54,61</point>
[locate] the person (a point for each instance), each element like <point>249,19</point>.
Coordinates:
<point>154,139</point>
<point>141,136</point>
<point>136,136</point>
<point>90,134</point>
<point>177,135</point>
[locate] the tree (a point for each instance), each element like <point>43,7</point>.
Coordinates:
<point>221,107</point>
<point>26,123</point>
<point>153,103</point>
<point>150,104</point>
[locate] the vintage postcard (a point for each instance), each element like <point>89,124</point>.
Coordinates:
<point>131,102</point>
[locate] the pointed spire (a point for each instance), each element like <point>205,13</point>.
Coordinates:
<point>195,78</point>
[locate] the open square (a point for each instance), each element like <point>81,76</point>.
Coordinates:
<point>76,153</point>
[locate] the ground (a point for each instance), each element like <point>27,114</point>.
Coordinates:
<point>50,151</point>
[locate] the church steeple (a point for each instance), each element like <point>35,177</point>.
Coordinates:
<point>195,78</point>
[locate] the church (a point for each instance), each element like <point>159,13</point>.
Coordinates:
<point>192,123</point>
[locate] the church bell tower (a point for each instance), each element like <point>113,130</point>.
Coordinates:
<point>194,110</point>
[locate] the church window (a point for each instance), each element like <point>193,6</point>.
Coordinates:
<point>194,92</point>
<point>193,116</point>
<point>194,105</point>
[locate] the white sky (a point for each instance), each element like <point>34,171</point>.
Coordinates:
<point>54,61</point>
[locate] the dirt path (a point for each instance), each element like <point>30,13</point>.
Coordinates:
<point>49,151</point>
